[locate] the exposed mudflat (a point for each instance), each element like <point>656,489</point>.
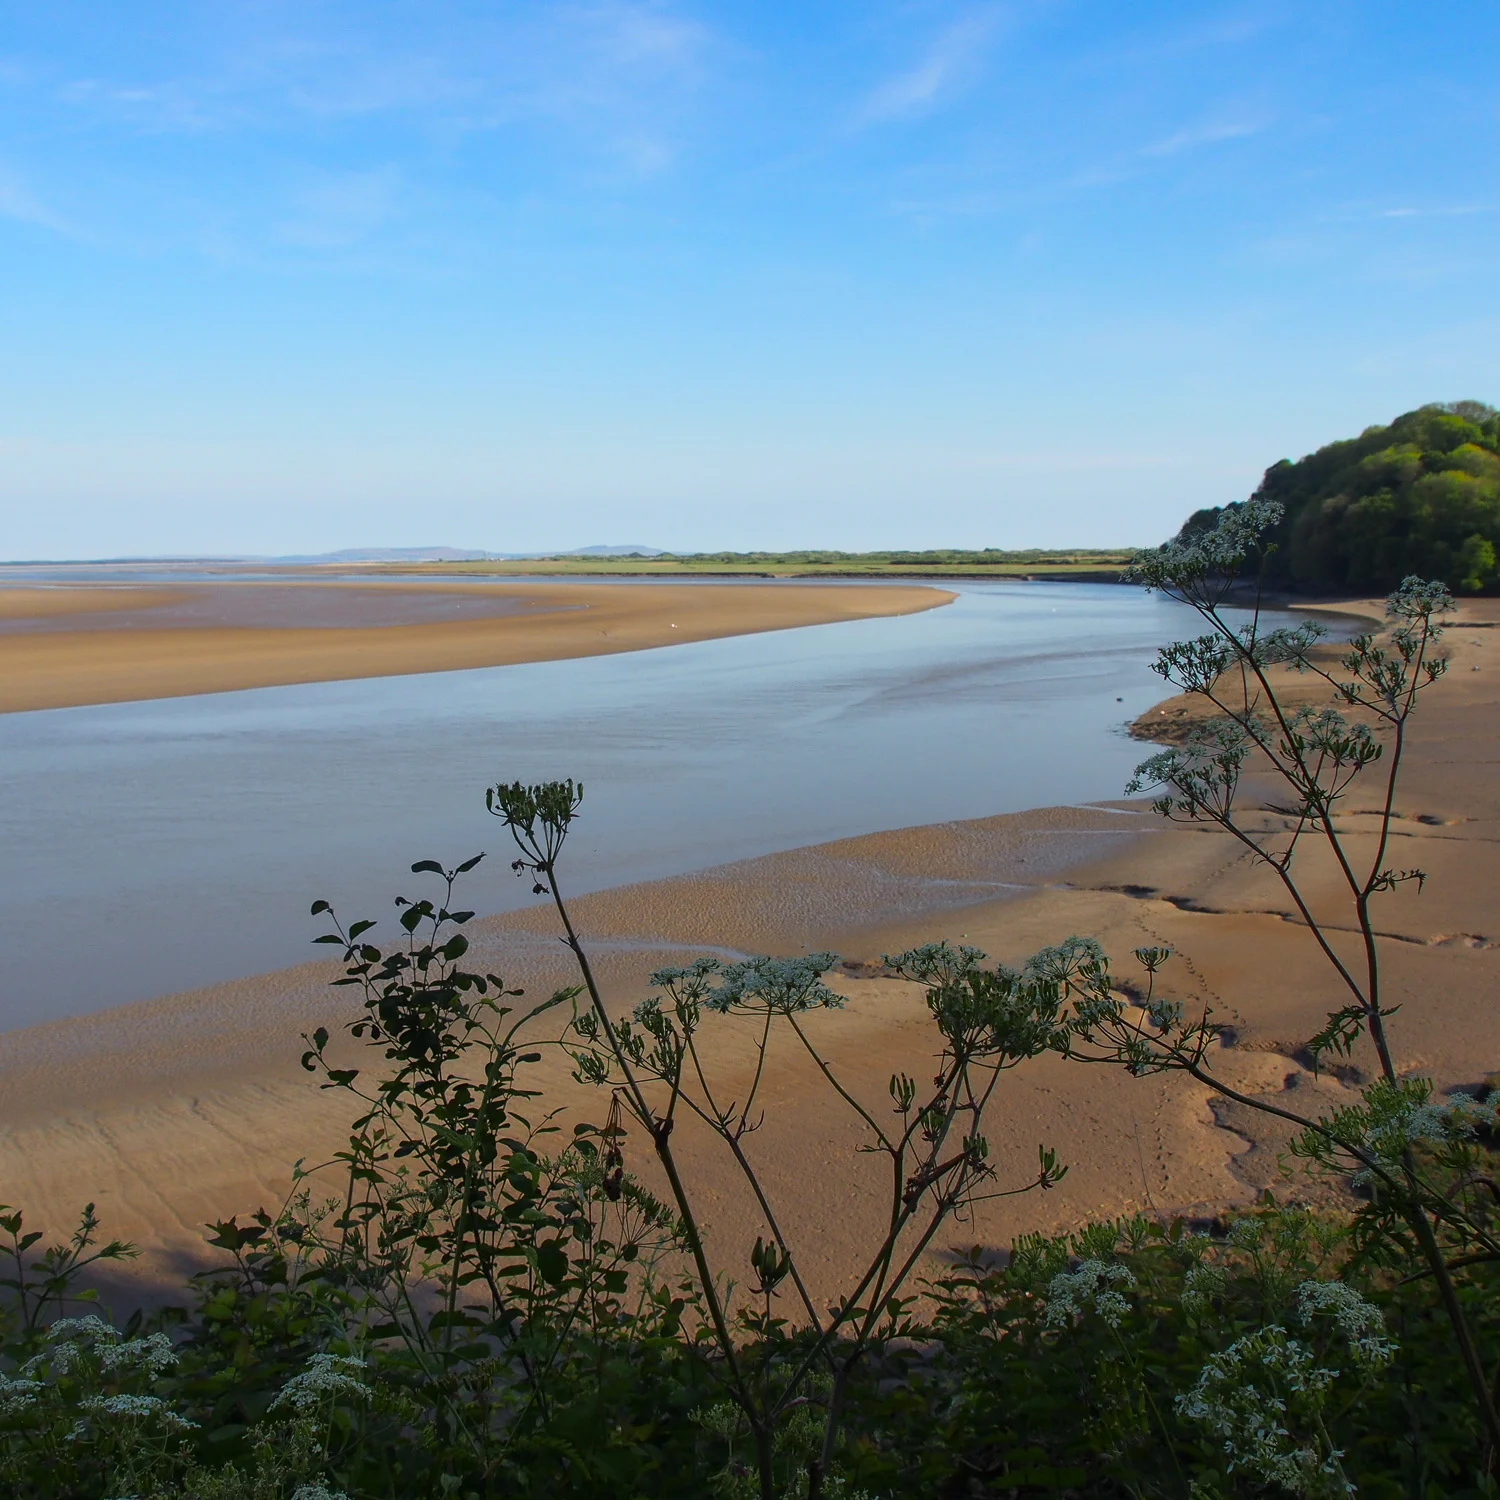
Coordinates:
<point>61,646</point>
<point>180,1110</point>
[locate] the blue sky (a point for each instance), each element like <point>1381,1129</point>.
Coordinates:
<point>283,277</point>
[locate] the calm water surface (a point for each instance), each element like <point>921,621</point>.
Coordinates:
<point>154,847</point>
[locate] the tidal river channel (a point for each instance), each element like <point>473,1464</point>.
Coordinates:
<point>155,847</point>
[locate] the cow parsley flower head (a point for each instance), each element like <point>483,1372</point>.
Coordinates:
<point>326,1376</point>
<point>1247,1395</point>
<point>1438,1123</point>
<point>317,1491</point>
<point>1073,960</point>
<point>690,981</point>
<point>1246,1233</point>
<point>1201,1285</point>
<point>1164,1014</point>
<point>90,1328</point>
<point>1361,1322</point>
<point>1096,1283</point>
<point>135,1408</point>
<point>788,985</point>
<point>72,1338</point>
<point>1219,552</point>
<point>1405,1116</point>
<point>152,1354</point>
<point>17,1395</point>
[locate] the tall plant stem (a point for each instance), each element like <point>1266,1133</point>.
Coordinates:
<point>731,1139</point>
<point>1473,1366</point>
<point>662,1146</point>
<point>1361,892</point>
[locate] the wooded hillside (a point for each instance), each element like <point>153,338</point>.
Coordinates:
<point>1419,496</point>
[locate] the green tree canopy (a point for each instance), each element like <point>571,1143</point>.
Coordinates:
<point>1419,496</point>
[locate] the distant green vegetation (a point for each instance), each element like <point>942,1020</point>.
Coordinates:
<point>1420,496</point>
<point>1082,564</point>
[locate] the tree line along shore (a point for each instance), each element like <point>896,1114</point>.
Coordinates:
<point>1419,494</point>
<point>1081,565</point>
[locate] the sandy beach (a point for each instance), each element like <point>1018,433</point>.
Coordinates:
<point>189,1108</point>
<point>61,647</point>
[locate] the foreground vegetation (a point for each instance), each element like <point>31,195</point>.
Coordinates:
<point>482,1302</point>
<point>1080,565</point>
<point>1422,494</point>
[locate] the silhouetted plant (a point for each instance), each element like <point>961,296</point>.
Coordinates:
<point>985,1021</point>
<point>40,1284</point>
<point>1429,1198</point>
<point>470,1247</point>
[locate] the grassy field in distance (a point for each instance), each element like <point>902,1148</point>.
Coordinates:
<point>1078,564</point>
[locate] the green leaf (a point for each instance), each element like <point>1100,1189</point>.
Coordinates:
<point>552,1262</point>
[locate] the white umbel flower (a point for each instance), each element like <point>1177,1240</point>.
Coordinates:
<point>1361,1322</point>
<point>1095,1283</point>
<point>326,1375</point>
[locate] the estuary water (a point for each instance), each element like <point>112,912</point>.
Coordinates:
<point>156,847</point>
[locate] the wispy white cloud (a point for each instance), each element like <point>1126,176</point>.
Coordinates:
<point>17,201</point>
<point>172,107</point>
<point>1444,211</point>
<point>618,76</point>
<point>950,64</point>
<point>337,209</point>
<point>629,35</point>
<point>1003,183</point>
<point>1207,133</point>
<point>1170,41</point>
<point>579,63</point>
<point>1132,162</point>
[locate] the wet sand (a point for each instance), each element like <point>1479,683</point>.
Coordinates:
<point>190,1108</point>
<point>61,647</point>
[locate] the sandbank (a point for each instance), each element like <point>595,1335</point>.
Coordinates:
<point>186,1109</point>
<point>61,648</point>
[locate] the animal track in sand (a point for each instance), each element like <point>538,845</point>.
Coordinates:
<point>1192,906</point>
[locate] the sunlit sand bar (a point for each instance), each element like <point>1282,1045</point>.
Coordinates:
<point>62,647</point>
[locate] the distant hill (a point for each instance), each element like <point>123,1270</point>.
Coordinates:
<point>1421,495</point>
<point>388,554</point>
<point>629,551</point>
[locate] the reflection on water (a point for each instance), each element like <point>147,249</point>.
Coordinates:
<point>155,847</point>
